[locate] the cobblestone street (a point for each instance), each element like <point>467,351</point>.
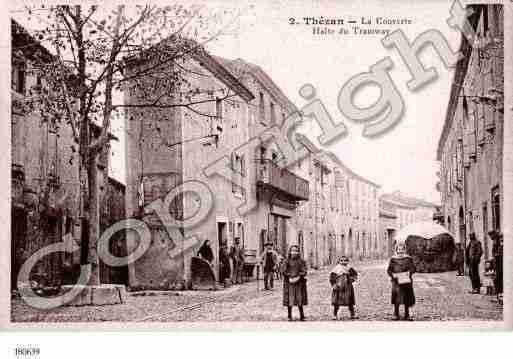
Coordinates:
<point>441,296</point>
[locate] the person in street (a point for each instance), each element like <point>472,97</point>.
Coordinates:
<point>341,279</point>
<point>237,256</point>
<point>497,251</point>
<point>473,254</point>
<point>401,269</point>
<point>458,260</point>
<point>269,263</point>
<point>224,262</point>
<point>294,282</point>
<point>205,252</point>
<point>489,277</point>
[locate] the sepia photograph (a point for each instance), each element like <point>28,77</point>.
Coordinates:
<point>271,164</point>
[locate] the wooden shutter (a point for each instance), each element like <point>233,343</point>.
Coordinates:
<point>471,130</point>
<point>459,157</point>
<point>233,171</point>
<point>243,165</point>
<point>454,170</point>
<point>464,129</point>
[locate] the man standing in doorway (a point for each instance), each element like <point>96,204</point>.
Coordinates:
<point>473,255</point>
<point>458,260</point>
<point>269,262</point>
<point>237,256</point>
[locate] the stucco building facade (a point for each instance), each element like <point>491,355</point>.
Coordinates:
<point>45,185</point>
<point>470,148</point>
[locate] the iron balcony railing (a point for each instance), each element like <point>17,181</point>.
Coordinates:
<point>281,179</point>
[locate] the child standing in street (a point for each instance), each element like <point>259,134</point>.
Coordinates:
<point>401,269</point>
<point>294,282</point>
<point>342,277</point>
<point>489,278</point>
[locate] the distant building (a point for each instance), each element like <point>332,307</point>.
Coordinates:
<point>341,217</point>
<point>410,209</point>
<point>397,211</point>
<point>388,225</point>
<point>470,148</point>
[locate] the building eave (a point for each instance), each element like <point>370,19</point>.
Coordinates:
<point>262,78</point>
<point>457,83</point>
<point>214,66</point>
<point>350,171</point>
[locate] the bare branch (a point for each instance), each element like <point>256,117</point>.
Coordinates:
<point>155,104</point>
<point>98,144</point>
<point>65,95</point>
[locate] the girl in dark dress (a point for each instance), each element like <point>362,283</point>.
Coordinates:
<point>401,269</point>
<point>294,282</point>
<point>342,277</point>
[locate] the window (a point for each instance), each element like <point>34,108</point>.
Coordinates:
<point>238,167</point>
<point>18,77</point>
<point>262,154</point>
<point>273,115</point>
<point>485,228</point>
<point>262,108</point>
<point>324,178</point>
<point>219,110</point>
<point>342,209</point>
<point>217,125</point>
<point>496,209</point>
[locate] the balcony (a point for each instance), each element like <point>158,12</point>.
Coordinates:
<point>270,175</point>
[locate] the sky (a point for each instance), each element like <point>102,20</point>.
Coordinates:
<point>404,158</point>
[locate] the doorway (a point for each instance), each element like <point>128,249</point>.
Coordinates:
<point>240,234</point>
<point>301,244</point>
<point>391,243</point>
<point>350,243</point>
<point>485,230</point>
<point>462,229</point>
<point>18,242</point>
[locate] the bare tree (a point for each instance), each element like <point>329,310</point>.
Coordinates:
<point>94,51</point>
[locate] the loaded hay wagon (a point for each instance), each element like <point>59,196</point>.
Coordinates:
<point>430,245</point>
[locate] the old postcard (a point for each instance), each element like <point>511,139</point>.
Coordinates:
<point>258,164</point>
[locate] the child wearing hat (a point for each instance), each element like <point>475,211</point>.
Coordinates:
<point>269,261</point>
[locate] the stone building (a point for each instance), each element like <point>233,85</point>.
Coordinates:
<point>470,148</point>
<point>276,187</point>
<point>396,211</point>
<point>388,224</point>
<point>225,130</point>
<point>411,209</point>
<point>333,220</point>
<point>45,195</point>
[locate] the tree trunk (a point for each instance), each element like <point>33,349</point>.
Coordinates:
<point>93,214</point>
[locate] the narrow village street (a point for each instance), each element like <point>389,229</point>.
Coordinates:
<point>440,296</point>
